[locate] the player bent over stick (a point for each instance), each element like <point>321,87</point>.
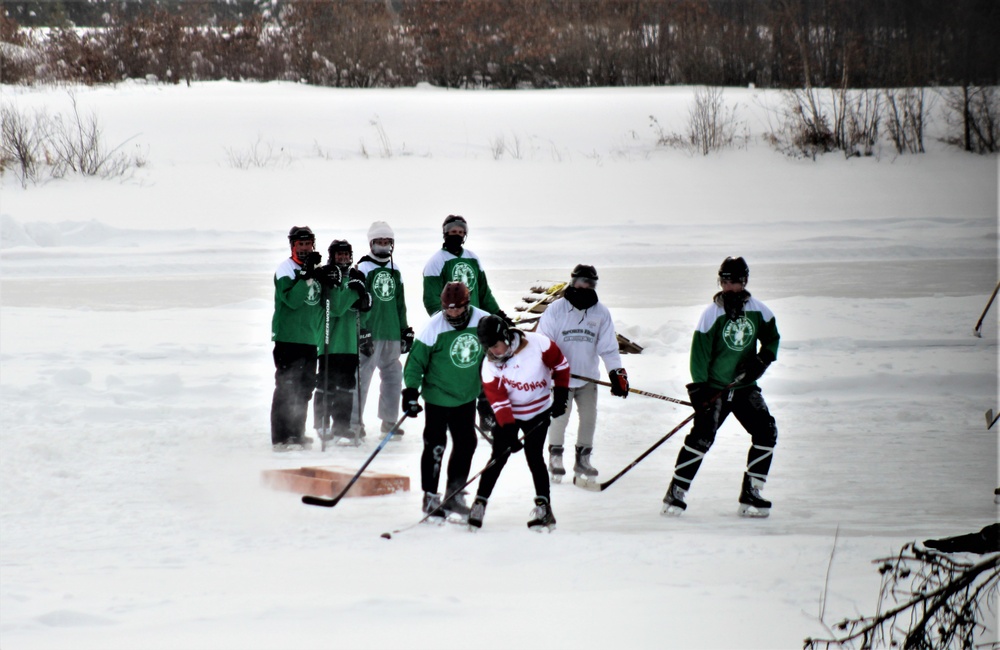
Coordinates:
<point>522,373</point>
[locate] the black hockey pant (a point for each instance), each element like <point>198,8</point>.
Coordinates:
<point>748,405</point>
<point>294,380</point>
<point>438,421</point>
<point>335,381</point>
<point>535,431</point>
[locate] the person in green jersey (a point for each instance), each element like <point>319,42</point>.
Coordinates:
<point>391,336</point>
<point>295,326</point>
<point>338,347</point>
<point>736,339</point>
<point>443,367</point>
<point>455,263</point>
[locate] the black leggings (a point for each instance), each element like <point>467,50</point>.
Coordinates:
<point>438,421</point>
<point>535,431</point>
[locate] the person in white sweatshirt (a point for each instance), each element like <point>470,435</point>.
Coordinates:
<point>583,329</point>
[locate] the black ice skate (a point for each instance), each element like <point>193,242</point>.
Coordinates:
<point>582,468</point>
<point>751,503</point>
<point>542,517</point>
<point>673,501</point>
<point>455,509</point>
<point>476,514</point>
<point>556,467</point>
<point>432,508</point>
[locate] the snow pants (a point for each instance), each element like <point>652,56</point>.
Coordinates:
<point>585,399</point>
<point>438,421</point>
<point>385,359</point>
<point>335,382</point>
<point>748,405</point>
<point>294,380</point>
<point>504,437</point>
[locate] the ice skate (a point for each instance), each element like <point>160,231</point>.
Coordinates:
<point>347,437</point>
<point>455,509</point>
<point>673,501</point>
<point>751,503</point>
<point>476,514</point>
<point>556,468</point>
<point>542,518</point>
<point>583,471</point>
<point>432,508</point>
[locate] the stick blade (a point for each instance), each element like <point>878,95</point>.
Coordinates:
<point>319,501</point>
<point>990,420</point>
<point>592,486</point>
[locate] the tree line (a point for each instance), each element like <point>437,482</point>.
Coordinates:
<point>507,44</point>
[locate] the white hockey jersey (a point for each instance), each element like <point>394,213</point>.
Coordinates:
<point>583,336</point>
<point>519,388</point>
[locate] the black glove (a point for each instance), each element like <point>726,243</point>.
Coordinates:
<point>486,416</point>
<point>363,303</point>
<point>406,340</point>
<point>619,382</point>
<point>753,367</point>
<point>510,431</point>
<point>366,345</point>
<point>357,284</point>
<point>329,276</point>
<point>701,395</point>
<point>311,261</point>
<point>410,404</point>
<point>560,401</point>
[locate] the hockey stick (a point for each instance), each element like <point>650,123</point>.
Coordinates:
<point>329,503</point>
<point>634,390</point>
<point>506,452</point>
<point>326,371</point>
<point>990,420</point>
<point>600,487</point>
<point>979,323</point>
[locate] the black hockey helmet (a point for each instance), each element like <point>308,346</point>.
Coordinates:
<point>585,272</point>
<point>492,329</point>
<point>734,270</point>
<point>300,233</point>
<point>341,246</point>
<point>454,220</point>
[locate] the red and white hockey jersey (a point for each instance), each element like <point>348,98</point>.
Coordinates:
<point>519,388</point>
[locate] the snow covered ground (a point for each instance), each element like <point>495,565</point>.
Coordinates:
<point>136,373</point>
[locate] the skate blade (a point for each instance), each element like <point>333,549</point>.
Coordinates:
<point>454,518</point>
<point>542,529</point>
<point>671,510</point>
<point>557,478</point>
<point>751,512</point>
<point>348,442</point>
<point>586,483</point>
<point>435,521</point>
<point>473,529</point>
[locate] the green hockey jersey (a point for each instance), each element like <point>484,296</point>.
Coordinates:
<point>445,363</point>
<point>719,344</point>
<point>444,267</point>
<point>387,318</point>
<point>297,312</point>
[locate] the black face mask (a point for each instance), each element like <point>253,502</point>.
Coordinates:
<point>581,298</point>
<point>732,302</point>
<point>453,243</point>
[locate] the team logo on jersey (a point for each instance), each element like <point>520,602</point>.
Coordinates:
<point>383,285</point>
<point>738,334</point>
<point>312,296</point>
<point>465,273</point>
<point>466,350</point>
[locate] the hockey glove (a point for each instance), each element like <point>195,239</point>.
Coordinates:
<point>753,367</point>
<point>329,276</point>
<point>487,419</point>
<point>619,382</point>
<point>366,345</point>
<point>406,340</point>
<point>509,431</point>
<point>560,402</point>
<point>410,404</point>
<point>312,260</point>
<point>357,285</point>
<point>702,396</point>
<point>363,303</point>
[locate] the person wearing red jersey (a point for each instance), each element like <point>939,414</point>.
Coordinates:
<point>526,379</point>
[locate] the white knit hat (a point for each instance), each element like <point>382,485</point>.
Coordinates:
<point>380,230</point>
